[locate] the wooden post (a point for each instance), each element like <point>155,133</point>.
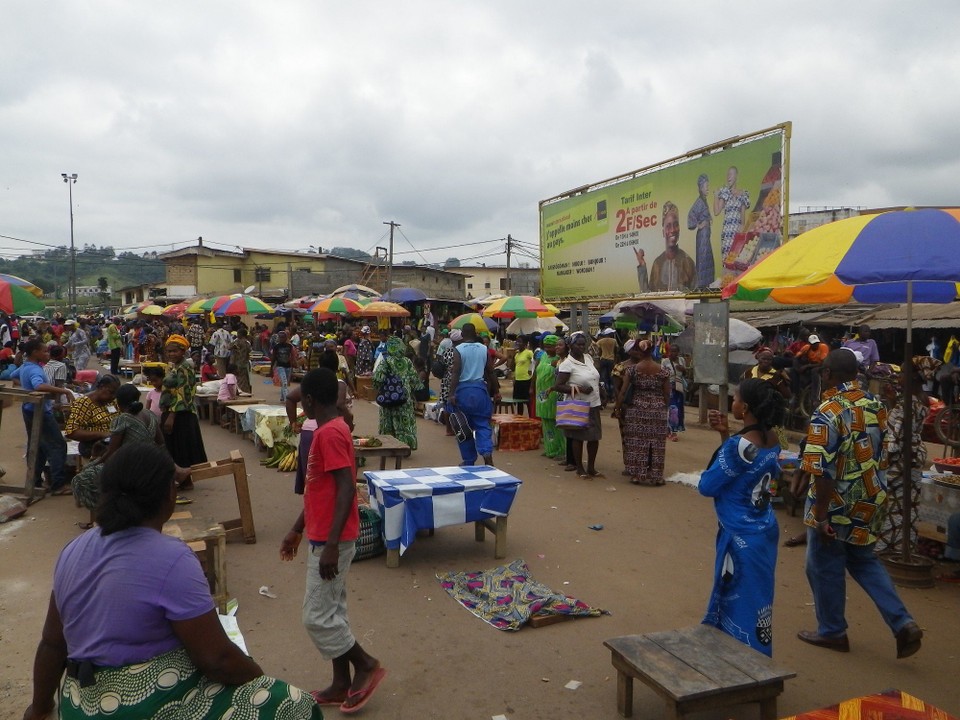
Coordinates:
<point>235,465</point>
<point>27,490</point>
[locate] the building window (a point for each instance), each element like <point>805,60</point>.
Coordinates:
<point>469,286</point>
<point>262,274</point>
<point>486,286</point>
<point>503,283</point>
<point>236,276</point>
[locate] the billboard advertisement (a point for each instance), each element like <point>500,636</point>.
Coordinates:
<point>691,223</point>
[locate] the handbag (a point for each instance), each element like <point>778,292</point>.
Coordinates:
<point>572,412</point>
<point>628,397</point>
<point>392,391</point>
<point>460,426</point>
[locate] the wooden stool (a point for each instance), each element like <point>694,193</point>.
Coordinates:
<point>696,668</point>
<point>209,541</point>
<point>236,466</point>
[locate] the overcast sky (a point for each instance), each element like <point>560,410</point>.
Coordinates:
<point>305,122</point>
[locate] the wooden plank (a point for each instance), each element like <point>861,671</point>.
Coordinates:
<point>659,668</point>
<point>753,663</point>
<point>243,496</point>
<point>688,649</point>
<point>539,621</point>
<point>726,698</point>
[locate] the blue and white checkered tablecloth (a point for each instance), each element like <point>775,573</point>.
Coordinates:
<point>425,498</point>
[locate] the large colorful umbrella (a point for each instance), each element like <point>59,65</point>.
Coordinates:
<point>18,300</point>
<point>197,307</point>
<point>379,309</point>
<point>518,306</point>
<point>481,323</point>
<point>175,310</point>
<point>355,291</point>
<point>241,305</point>
<point>20,282</point>
<point>336,305</point>
<point>902,256</point>
<point>151,309</point>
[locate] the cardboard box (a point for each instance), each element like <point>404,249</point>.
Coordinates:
<point>939,499</point>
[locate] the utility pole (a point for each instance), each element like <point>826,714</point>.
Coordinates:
<point>392,225</point>
<point>70,180</point>
<point>509,279</point>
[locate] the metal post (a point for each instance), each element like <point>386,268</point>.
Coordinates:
<point>509,288</point>
<point>392,225</point>
<point>70,180</point>
<point>906,439</point>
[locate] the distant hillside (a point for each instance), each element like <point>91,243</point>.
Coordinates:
<point>51,270</point>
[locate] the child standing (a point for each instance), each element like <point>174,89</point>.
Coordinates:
<point>332,523</point>
<point>154,377</point>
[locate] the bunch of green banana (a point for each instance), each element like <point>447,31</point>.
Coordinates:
<point>280,451</point>
<point>288,463</point>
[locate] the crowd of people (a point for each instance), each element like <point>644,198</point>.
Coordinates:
<point>849,462</point>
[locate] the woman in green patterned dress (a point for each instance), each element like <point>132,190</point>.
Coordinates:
<point>554,442</point>
<point>399,421</point>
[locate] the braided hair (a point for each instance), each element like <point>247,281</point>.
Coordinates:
<point>134,484</point>
<point>765,402</point>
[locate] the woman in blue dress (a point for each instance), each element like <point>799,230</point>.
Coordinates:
<point>738,479</point>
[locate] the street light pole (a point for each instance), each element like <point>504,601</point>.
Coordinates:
<point>70,180</point>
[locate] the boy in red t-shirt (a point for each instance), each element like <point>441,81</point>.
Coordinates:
<point>332,525</point>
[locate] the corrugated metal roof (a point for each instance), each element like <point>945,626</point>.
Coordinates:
<point>775,318</point>
<point>925,315</point>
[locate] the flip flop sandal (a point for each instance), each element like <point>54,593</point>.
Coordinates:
<point>365,693</point>
<point>320,699</point>
<point>795,542</point>
<point>183,500</point>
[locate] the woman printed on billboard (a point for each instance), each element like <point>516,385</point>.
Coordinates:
<point>699,219</point>
<point>733,202</point>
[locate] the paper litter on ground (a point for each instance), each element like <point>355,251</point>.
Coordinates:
<point>573,685</point>
<point>689,479</point>
<point>232,628</point>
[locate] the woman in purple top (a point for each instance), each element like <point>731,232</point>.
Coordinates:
<point>132,622</point>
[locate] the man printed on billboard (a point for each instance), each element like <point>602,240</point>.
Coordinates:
<point>673,269</point>
<point>699,219</point>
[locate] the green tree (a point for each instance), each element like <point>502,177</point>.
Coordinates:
<point>103,283</point>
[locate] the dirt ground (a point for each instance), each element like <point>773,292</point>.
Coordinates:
<point>650,567</point>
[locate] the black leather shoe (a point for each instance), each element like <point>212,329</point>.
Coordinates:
<point>840,644</point>
<point>908,640</point>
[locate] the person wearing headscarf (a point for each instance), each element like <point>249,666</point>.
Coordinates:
<point>645,417</point>
<point>554,442</point>
<point>445,356</point>
<point>399,420</point>
<point>617,375</point>
<point>700,219</point>
<point>364,362</point>
<point>178,416</point>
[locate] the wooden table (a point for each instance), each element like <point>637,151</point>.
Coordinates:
<point>696,668</point>
<point>509,405</point>
<point>418,499</point>
<point>208,540</point>
<point>389,447</point>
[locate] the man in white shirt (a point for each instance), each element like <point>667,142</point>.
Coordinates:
<point>221,339</point>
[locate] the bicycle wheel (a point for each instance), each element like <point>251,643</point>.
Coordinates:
<point>947,425</point>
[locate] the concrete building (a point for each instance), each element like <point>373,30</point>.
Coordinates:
<point>275,275</point>
<point>490,279</point>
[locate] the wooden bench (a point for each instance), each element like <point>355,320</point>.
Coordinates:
<point>216,415</point>
<point>696,668</point>
<point>207,539</point>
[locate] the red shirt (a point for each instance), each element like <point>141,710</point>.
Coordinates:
<point>330,450</point>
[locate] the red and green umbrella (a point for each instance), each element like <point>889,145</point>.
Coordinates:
<point>20,282</point>
<point>336,306</point>
<point>18,300</point>
<point>481,323</point>
<point>518,306</point>
<point>239,305</point>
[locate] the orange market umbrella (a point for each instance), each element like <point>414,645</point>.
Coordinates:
<point>381,309</point>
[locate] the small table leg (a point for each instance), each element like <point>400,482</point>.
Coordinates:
<point>500,549</point>
<point>383,462</point>
<point>768,709</point>
<point>624,695</point>
<point>478,530</point>
<point>393,557</point>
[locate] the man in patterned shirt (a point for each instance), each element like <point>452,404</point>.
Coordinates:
<point>844,455</point>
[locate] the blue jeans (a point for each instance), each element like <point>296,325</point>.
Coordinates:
<point>827,563</point>
<point>284,374</point>
<point>474,401</point>
<point>52,450</point>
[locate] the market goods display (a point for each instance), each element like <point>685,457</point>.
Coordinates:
<point>283,458</point>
